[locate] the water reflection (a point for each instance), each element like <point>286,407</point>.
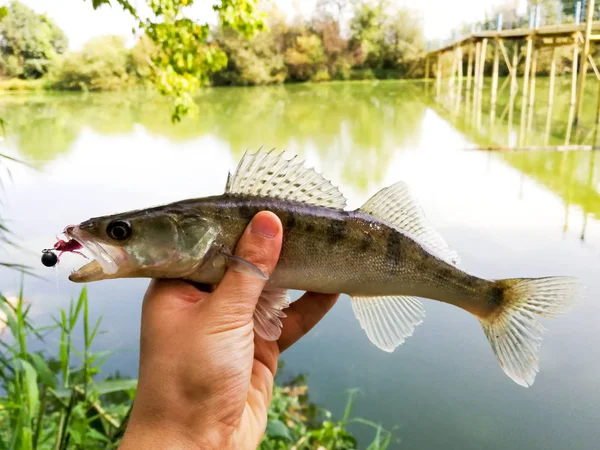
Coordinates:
<point>365,122</point>
<point>546,147</point>
<point>503,212</point>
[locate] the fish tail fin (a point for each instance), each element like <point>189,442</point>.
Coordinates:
<point>513,328</point>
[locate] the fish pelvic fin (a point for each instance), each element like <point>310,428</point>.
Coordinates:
<point>514,329</point>
<point>388,321</point>
<point>268,313</point>
<point>397,205</point>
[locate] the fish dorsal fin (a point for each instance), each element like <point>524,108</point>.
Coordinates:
<point>396,205</point>
<point>269,174</point>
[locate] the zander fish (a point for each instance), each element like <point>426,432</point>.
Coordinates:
<point>383,255</point>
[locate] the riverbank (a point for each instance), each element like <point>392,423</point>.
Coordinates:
<point>43,84</point>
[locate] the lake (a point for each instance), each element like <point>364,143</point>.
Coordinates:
<point>508,214</point>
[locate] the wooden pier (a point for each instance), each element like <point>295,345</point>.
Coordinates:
<point>579,36</point>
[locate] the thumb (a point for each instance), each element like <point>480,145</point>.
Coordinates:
<point>260,245</point>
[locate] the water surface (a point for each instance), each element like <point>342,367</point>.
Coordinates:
<point>508,214</point>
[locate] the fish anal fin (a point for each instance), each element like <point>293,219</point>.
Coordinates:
<point>389,320</point>
<point>396,205</point>
<point>270,174</point>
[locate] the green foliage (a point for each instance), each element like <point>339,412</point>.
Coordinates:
<point>184,57</point>
<point>53,401</point>
<point>28,42</point>
<point>252,61</point>
<point>386,37</point>
<point>102,64</point>
<point>305,58</point>
<point>47,401</point>
<point>295,422</point>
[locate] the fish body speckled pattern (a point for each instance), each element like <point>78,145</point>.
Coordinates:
<point>384,255</point>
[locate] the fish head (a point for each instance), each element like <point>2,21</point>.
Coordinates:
<point>149,243</point>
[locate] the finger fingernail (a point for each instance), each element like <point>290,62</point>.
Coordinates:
<point>264,225</point>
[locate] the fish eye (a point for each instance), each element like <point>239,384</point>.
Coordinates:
<point>119,230</point>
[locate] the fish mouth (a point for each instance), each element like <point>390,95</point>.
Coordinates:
<point>106,258</point>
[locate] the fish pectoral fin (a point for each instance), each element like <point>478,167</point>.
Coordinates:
<point>268,313</point>
<point>388,321</point>
<point>396,204</point>
<point>244,266</point>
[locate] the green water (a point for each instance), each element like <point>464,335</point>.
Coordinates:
<point>510,213</point>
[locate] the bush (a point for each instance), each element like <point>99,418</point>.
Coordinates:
<point>321,75</point>
<point>101,65</point>
<point>364,74</point>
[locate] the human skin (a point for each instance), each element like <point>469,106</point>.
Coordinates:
<point>205,378</point>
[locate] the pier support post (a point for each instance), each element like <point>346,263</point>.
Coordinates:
<point>438,80</point>
<point>495,75</point>
<point>476,76</point>
<point>513,84</point>
<point>532,88</point>
<point>550,96</point>
<point>459,69</point>
<point>584,60</point>
<point>574,71</point>
<point>481,79</point>
<point>525,88</point>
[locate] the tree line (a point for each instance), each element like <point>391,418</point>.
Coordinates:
<point>380,40</point>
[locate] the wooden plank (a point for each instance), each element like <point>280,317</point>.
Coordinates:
<point>546,31</point>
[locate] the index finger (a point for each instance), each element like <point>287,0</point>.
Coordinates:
<point>303,315</point>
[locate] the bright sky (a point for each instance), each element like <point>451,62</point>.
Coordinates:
<point>80,22</point>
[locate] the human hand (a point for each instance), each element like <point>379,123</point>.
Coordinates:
<point>205,378</point>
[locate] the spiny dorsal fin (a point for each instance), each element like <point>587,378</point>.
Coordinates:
<point>396,205</point>
<point>268,174</point>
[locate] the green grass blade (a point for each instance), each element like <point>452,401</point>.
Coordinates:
<point>31,388</point>
<point>45,374</point>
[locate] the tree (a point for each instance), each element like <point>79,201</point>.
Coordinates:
<point>385,36</point>
<point>28,42</point>
<point>185,55</point>
<point>250,61</point>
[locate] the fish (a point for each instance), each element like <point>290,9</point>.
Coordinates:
<point>385,255</point>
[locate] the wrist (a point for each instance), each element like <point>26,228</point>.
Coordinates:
<point>161,435</point>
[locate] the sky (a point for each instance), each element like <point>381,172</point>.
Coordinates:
<point>81,22</point>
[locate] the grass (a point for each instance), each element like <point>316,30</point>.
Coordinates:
<point>17,84</point>
<point>58,399</point>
